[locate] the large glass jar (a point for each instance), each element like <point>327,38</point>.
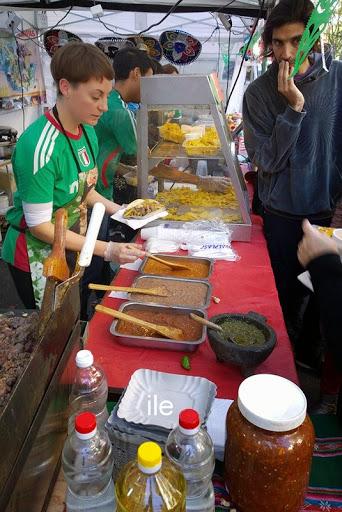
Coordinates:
<point>269,446</point>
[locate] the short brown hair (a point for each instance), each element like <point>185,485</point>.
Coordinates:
<point>80,62</point>
<point>287,11</point>
<point>168,69</point>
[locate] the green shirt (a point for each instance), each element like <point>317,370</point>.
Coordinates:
<point>117,134</point>
<point>46,172</point>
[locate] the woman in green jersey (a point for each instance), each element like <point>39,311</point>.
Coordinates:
<point>54,165</point>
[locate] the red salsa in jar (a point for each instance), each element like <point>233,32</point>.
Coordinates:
<point>269,446</point>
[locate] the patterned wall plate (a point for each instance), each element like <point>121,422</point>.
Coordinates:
<point>180,47</point>
<point>56,38</point>
<point>110,45</point>
<point>153,46</point>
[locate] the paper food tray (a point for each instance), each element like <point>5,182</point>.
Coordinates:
<point>156,398</point>
<point>138,223</point>
<point>144,217</point>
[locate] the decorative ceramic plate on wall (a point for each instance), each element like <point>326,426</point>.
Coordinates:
<point>110,45</point>
<point>152,45</point>
<point>56,38</point>
<point>180,47</point>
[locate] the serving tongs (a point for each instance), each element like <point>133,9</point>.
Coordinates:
<point>169,332</point>
<point>157,292</point>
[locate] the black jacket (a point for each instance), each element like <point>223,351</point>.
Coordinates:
<point>326,276</point>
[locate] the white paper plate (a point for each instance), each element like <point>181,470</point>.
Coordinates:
<point>137,223</point>
<point>156,398</point>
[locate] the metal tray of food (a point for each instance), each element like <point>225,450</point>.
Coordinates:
<point>155,342</point>
<point>185,288</point>
<point>179,274</point>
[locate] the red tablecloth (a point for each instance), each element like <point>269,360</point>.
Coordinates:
<point>246,285</point>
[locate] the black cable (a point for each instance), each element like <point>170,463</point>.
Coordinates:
<point>224,6</point>
<point>228,63</point>
<point>50,28</point>
<point>21,78</point>
<point>245,52</point>
<point>170,11</point>
<point>111,30</point>
<point>211,35</point>
<point>146,29</point>
<point>219,50</point>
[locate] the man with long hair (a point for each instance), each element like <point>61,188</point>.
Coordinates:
<point>293,134</point>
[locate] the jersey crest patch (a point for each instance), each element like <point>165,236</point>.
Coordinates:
<point>83,156</point>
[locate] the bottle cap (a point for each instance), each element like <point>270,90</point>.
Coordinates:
<point>149,457</point>
<point>84,359</point>
<point>85,425</point>
<point>189,419</point>
<point>272,403</point>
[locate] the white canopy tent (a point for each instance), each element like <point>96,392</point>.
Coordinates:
<point>239,7</point>
<point>206,25</point>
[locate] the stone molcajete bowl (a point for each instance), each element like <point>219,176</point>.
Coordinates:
<point>245,356</point>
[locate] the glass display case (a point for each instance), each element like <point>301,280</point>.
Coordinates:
<point>185,144</point>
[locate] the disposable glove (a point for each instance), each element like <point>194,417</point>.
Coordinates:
<point>213,183</point>
<point>123,253</point>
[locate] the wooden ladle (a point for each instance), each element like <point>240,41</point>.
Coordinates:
<point>157,292</point>
<point>206,322</point>
<point>170,264</point>
<point>55,265</point>
<point>169,332</point>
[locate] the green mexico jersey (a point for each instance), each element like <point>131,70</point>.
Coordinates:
<point>117,135</point>
<point>46,173</point>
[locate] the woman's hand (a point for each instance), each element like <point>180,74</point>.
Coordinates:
<point>314,244</point>
<point>123,253</point>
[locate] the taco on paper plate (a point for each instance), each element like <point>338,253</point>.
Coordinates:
<point>140,208</point>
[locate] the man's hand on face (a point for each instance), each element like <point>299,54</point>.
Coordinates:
<point>288,89</point>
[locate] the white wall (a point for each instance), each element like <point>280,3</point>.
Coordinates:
<point>14,119</point>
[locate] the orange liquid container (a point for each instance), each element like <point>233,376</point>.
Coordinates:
<point>150,484</point>
<point>269,446</point>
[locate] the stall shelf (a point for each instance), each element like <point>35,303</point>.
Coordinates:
<point>182,122</point>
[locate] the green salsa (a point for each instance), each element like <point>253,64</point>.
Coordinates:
<point>243,333</point>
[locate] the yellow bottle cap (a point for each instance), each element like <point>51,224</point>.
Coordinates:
<point>149,455</point>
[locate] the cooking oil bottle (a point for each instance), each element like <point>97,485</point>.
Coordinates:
<point>150,483</point>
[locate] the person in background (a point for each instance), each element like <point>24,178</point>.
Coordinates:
<point>319,255</point>
<point>116,130</point>
<point>54,164</point>
<point>293,134</point>
<point>158,69</point>
<point>169,69</point>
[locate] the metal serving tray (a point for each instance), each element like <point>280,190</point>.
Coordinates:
<point>182,259</point>
<point>155,300</point>
<point>151,342</point>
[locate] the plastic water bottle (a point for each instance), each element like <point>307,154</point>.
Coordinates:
<point>87,461</point>
<point>89,391</point>
<point>151,483</point>
<point>191,449</point>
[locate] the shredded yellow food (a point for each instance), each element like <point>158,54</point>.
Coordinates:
<point>200,204</point>
<point>171,132</point>
<point>209,144</point>
<point>327,231</point>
